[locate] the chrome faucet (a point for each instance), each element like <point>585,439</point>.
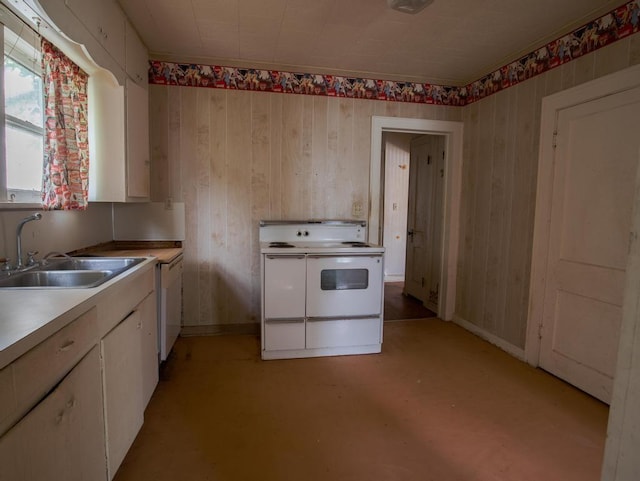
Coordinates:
<point>51,254</point>
<point>35,216</point>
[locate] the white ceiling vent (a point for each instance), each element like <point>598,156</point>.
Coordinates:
<point>409,6</point>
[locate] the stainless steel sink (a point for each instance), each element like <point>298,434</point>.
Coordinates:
<point>91,263</point>
<point>68,279</point>
<point>70,273</point>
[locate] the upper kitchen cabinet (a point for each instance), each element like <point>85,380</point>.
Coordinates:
<point>136,57</point>
<point>105,21</point>
<point>118,95</point>
<point>119,141</point>
<point>138,162</point>
<point>97,25</point>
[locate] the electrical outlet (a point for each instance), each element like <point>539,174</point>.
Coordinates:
<point>356,209</point>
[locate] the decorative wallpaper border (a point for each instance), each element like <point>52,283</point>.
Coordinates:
<point>605,30</point>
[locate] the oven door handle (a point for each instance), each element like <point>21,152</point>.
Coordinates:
<point>344,318</point>
<point>285,256</point>
<point>283,321</point>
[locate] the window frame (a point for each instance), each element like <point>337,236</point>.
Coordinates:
<point>16,197</point>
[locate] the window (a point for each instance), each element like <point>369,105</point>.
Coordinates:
<point>341,279</point>
<point>23,133</point>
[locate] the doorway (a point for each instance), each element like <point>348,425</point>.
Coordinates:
<point>413,167</point>
<point>451,133</point>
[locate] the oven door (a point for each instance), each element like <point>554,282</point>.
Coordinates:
<point>344,285</point>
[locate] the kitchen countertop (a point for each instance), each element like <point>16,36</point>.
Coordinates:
<point>29,316</point>
<point>164,255</point>
<point>164,251</point>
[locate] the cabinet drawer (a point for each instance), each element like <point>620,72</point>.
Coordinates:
<point>123,299</point>
<point>342,332</point>
<point>37,371</point>
<point>282,334</point>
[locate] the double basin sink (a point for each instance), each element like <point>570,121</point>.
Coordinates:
<point>70,273</point>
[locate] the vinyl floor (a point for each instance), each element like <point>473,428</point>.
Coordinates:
<point>398,307</point>
<point>437,404</point>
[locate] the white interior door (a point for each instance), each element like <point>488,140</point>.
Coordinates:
<point>596,158</point>
<point>425,220</point>
<point>417,218</point>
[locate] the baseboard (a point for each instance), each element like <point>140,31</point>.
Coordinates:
<point>515,351</point>
<point>220,329</point>
<point>254,329</point>
<point>393,278</point>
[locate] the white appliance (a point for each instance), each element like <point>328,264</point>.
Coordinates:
<point>169,285</point>
<point>322,289</point>
<point>158,221</point>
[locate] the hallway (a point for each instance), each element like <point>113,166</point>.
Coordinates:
<point>398,307</point>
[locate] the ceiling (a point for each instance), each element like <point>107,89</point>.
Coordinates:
<point>451,42</point>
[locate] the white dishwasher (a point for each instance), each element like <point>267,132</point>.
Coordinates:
<point>169,283</point>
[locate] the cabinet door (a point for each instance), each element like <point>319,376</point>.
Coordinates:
<point>58,12</point>
<point>149,349</point>
<point>105,21</point>
<point>122,378</point>
<point>12,449</point>
<point>138,164</point>
<point>112,27</point>
<point>12,455</point>
<point>8,403</point>
<point>137,58</point>
<point>63,436</point>
<point>284,286</point>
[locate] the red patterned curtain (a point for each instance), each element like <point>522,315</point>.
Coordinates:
<point>66,143</point>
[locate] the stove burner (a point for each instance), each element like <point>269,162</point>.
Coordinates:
<point>280,244</point>
<point>356,244</point>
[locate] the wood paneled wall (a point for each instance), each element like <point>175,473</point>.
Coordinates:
<point>498,192</point>
<point>237,157</point>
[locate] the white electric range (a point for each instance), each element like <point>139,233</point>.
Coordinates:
<point>322,289</point>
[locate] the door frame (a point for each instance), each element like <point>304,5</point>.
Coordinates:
<point>453,132</point>
<point>595,89</point>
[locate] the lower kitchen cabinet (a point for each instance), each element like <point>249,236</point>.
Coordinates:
<point>62,437</point>
<point>149,347</point>
<point>123,396</point>
<point>12,448</point>
<point>71,406</point>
